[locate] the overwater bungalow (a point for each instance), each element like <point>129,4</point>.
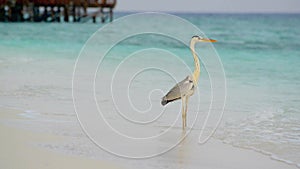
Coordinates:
<point>55,10</point>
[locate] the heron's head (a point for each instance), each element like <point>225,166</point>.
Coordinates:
<point>202,39</point>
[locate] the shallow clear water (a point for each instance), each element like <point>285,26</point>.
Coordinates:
<point>260,54</point>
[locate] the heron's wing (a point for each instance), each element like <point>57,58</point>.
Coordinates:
<point>180,89</point>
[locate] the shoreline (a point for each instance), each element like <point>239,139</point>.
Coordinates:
<point>19,149</point>
<point>214,155</point>
<point>266,153</point>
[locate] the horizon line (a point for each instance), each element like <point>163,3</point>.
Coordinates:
<point>212,12</point>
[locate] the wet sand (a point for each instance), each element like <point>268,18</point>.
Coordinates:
<point>19,150</point>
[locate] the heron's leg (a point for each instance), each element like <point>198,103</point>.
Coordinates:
<point>183,112</point>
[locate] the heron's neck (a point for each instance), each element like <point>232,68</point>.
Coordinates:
<point>196,73</point>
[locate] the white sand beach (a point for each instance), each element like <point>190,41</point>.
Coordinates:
<point>20,150</point>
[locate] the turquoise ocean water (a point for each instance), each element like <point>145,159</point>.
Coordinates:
<point>260,54</point>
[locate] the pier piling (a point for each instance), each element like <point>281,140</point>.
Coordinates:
<point>53,10</point>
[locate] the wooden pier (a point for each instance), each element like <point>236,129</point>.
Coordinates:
<point>55,10</point>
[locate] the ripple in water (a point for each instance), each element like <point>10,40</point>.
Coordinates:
<point>274,133</point>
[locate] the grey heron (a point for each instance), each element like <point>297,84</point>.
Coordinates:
<point>186,88</point>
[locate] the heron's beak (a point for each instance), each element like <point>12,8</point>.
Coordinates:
<point>209,40</point>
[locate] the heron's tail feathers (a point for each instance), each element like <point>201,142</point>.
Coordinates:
<point>165,100</point>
